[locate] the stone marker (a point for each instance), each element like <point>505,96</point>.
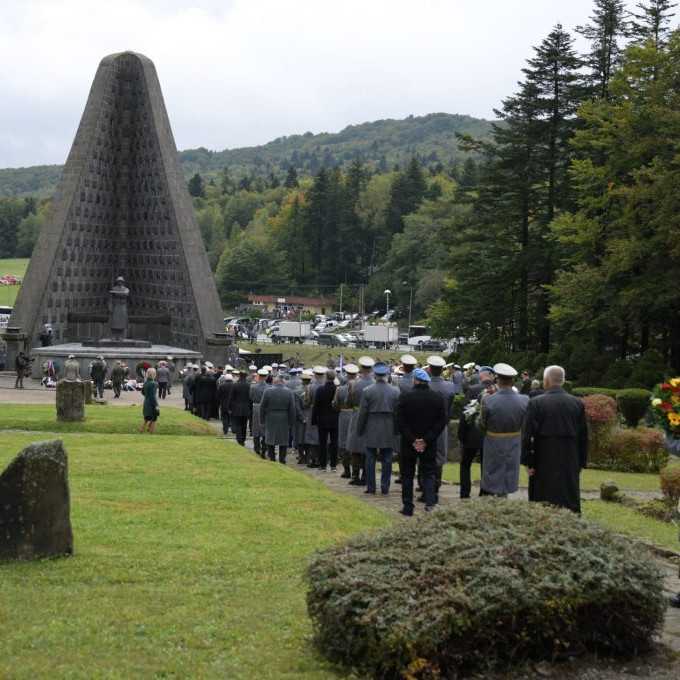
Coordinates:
<point>71,393</point>
<point>35,509</point>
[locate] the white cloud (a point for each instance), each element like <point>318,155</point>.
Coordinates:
<point>244,72</point>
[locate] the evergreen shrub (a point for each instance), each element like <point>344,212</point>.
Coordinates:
<point>670,483</point>
<point>459,402</point>
<point>602,418</point>
<point>631,450</point>
<point>590,391</point>
<point>483,585</point>
<point>633,404</point>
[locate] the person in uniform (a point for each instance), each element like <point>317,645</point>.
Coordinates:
<point>163,379</point>
<point>356,443</point>
<point>376,425</point>
<point>224,389</point>
<point>277,412</point>
<point>421,417</point>
<point>502,418</point>
<point>325,417</point>
<point>187,386</point>
<point>117,379</point>
<point>446,390</point>
<point>345,412</point>
<point>98,374</point>
<point>239,407</point>
<point>302,416</point>
<point>405,384</point>
<point>257,390</point>
<point>555,446</point>
<point>457,379</point>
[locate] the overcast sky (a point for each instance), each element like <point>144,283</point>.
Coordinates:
<point>243,72</point>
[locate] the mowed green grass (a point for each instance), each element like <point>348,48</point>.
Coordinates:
<point>189,555</point>
<point>590,479</point>
<point>100,419</point>
<point>16,267</point>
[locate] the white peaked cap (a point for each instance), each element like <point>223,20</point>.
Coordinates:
<point>408,360</point>
<point>436,361</point>
<point>263,371</point>
<point>470,364</point>
<point>267,368</point>
<point>252,367</point>
<point>366,362</point>
<point>307,374</point>
<point>352,369</point>
<point>505,370</point>
<point>319,370</point>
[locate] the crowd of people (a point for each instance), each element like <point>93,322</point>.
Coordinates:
<point>359,415</point>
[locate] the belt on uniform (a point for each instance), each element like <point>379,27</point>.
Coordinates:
<point>503,435</point>
<point>345,410</point>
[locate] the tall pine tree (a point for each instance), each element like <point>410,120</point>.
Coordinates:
<point>652,22</point>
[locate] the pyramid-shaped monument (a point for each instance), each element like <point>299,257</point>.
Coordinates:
<point>121,209</point>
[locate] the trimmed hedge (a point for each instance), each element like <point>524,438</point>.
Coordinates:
<point>631,450</point>
<point>670,483</point>
<point>590,391</point>
<point>479,586</point>
<point>633,404</point>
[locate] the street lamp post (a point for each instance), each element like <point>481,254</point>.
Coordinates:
<point>387,297</point>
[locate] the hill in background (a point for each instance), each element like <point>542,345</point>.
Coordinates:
<point>382,144</point>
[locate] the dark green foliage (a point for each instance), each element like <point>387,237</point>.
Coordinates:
<point>487,584</point>
<point>633,404</point>
<point>589,391</point>
<point>407,193</point>
<point>196,188</point>
<point>630,450</point>
<point>12,212</point>
<point>291,181</point>
<point>651,23</point>
<point>459,402</point>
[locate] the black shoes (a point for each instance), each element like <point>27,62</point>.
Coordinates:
<point>675,601</point>
<point>406,513</point>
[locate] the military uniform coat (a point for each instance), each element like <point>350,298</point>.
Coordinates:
<point>355,442</point>
<point>447,391</point>
<point>345,414</point>
<point>311,431</point>
<point>376,421</point>
<point>556,447</point>
<point>502,418</point>
<point>257,390</point>
<point>299,428</point>
<point>277,413</point>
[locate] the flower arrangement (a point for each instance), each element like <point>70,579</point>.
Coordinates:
<point>666,406</point>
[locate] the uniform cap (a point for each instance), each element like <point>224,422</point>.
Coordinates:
<point>486,369</point>
<point>408,360</point>
<point>263,371</point>
<point>275,365</point>
<point>470,364</point>
<point>457,366</point>
<point>229,377</point>
<point>228,367</point>
<point>319,370</point>
<point>267,368</point>
<point>436,361</point>
<point>352,369</point>
<point>252,367</point>
<point>209,364</point>
<point>505,370</point>
<point>307,375</point>
<point>380,368</point>
<point>421,374</point>
<point>366,362</point>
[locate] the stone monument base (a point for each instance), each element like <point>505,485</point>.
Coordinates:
<point>118,344</point>
<point>86,354</point>
<point>70,401</point>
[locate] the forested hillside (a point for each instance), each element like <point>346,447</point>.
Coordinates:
<point>381,145</point>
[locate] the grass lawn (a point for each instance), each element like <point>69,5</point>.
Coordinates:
<point>590,479</point>
<point>100,419</point>
<point>189,556</point>
<point>625,520</point>
<point>16,267</point>
<point>313,354</point>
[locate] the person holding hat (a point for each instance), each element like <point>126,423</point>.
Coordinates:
<point>257,391</point>
<point>345,414</point>
<point>446,389</point>
<point>421,418</point>
<point>277,412</point>
<point>502,418</point>
<point>239,406</point>
<point>376,424</point>
<point>356,443</point>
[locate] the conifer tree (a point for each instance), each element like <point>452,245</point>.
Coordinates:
<point>196,188</point>
<point>652,22</point>
<point>291,181</point>
<point>608,26</point>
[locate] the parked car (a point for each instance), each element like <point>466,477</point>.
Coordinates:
<point>432,345</point>
<point>331,340</point>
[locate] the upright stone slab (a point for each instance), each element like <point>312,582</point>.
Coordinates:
<point>35,514</point>
<point>70,401</point>
<point>121,208</point>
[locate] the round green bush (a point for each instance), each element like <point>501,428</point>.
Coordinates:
<point>633,404</point>
<point>590,391</point>
<point>481,585</point>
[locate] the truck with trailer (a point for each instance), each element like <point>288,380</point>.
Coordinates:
<point>380,335</point>
<point>291,332</point>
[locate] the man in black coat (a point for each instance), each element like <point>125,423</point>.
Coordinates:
<point>224,389</point>
<point>205,390</point>
<point>421,418</point>
<point>555,444</point>
<point>325,417</point>
<point>240,406</point>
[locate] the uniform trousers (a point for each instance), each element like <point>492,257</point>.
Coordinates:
<point>467,458</point>
<point>116,389</point>
<point>386,473</point>
<point>324,449</point>
<point>271,450</point>
<point>238,427</point>
<point>225,423</point>
<point>427,467</point>
<point>204,410</point>
<point>163,390</point>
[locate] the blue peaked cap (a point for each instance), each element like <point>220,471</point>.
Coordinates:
<point>421,374</point>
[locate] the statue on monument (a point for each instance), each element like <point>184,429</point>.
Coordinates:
<point>72,369</point>
<point>119,309</point>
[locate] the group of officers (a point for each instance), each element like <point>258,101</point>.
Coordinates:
<point>359,414</point>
